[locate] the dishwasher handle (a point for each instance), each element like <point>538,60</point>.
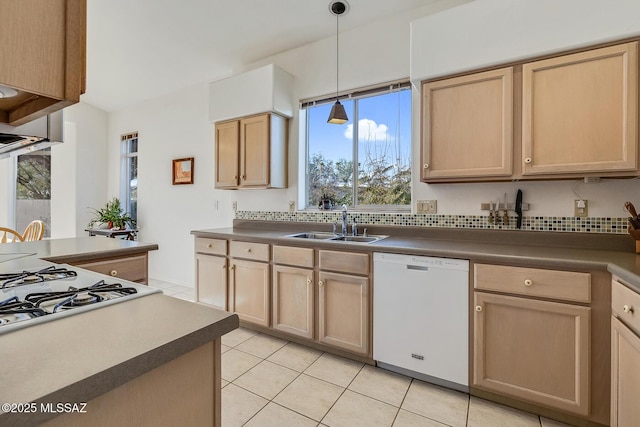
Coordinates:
<point>417,267</point>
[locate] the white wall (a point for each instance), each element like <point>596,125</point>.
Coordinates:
<point>177,126</point>
<point>171,127</point>
<point>78,170</point>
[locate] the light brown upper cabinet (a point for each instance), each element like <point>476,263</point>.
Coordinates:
<point>42,56</point>
<point>467,126</point>
<point>579,112</point>
<point>251,152</point>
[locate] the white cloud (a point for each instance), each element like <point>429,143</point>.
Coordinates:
<point>368,130</point>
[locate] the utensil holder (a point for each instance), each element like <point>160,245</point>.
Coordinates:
<point>636,235</point>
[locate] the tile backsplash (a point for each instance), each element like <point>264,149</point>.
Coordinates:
<point>534,223</point>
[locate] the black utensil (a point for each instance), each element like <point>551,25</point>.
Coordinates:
<point>519,209</point>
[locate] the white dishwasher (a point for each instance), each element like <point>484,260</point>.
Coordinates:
<point>420,317</point>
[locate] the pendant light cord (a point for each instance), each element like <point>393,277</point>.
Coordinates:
<point>337,56</point>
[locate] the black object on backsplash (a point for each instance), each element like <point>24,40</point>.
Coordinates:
<point>519,209</point>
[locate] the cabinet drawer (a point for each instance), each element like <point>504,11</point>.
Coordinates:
<point>562,285</point>
<point>249,250</point>
<point>211,246</point>
<point>301,257</point>
<point>625,304</point>
<point>344,262</point>
<point>133,268</point>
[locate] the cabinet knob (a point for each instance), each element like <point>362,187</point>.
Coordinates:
<point>426,166</point>
<point>113,273</point>
<point>627,308</point>
<point>231,267</point>
<point>209,245</point>
<point>244,177</point>
<point>235,177</point>
<point>248,250</point>
<point>320,283</point>
<point>528,282</point>
<point>478,308</point>
<point>527,160</point>
<point>308,280</point>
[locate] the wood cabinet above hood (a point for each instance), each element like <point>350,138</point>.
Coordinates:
<point>42,57</point>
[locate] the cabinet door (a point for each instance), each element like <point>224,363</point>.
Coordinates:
<point>226,152</point>
<point>467,126</point>
<point>533,350</point>
<point>249,291</point>
<point>211,280</point>
<point>293,300</point>
<point>344,311</point>
<point>254,151</point>
<point>579,112</point>
<point>625,375</point>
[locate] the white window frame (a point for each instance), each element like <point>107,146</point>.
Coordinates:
<point>125,165</point>
<point>355,95</point>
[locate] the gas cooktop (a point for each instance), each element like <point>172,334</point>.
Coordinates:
<point>33,296</point>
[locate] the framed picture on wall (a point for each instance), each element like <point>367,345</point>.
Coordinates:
<point>183,171</point>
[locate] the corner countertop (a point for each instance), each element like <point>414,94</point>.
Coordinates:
<point>613,253</point>
<point>77,358</point>
<point>73,249</point>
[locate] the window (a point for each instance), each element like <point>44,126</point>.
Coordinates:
<point>129,174</point>
<point>367,166</point>
<point>33,190</point>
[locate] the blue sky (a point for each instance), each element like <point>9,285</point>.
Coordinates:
<point>378,117</point>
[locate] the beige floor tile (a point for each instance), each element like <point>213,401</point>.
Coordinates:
<point>274,415</point>
<point>224,383</point>
<point>484,413</point>
<point>381,384</point>
<point>238,405</point>
<point>440,404</point>
<point>236,363</point>
<point>409,419</point>
<point>546,422</point>
<point>237,336</point>
<point>266,379</point>
<point>261,345</point>
<point>224,348</point>
<point>334,369</point>
<point>355,410</point>
<point>309,396</point>
<point>295,356</point>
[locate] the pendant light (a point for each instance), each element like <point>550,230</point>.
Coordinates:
<point>338,115</point>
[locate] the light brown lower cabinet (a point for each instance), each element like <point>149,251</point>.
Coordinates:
<point>293,300</point>
<point>211,277</point>
<point>625,376</point>
<point>538,351</point>
<point>344,311</point>
<point>249,295</point>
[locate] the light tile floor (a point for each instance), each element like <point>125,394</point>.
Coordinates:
<point>272,382</point>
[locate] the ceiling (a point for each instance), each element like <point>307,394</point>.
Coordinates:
<point>141,49</point>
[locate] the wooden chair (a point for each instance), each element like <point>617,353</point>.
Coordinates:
<point>34,231</point>
<point>9,235</point>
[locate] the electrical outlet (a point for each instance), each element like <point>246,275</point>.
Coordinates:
<point>581,208</point>
<point>234,206</point>
<point>427,206</point>
<point>292,206</point>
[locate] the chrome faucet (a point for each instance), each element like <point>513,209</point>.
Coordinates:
<point>344,220</point>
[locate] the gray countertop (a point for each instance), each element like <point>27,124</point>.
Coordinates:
<point>77,358</point>
<point>537,249</point>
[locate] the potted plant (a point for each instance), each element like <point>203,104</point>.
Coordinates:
<point>112,215</point>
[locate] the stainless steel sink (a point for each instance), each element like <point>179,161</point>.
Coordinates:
<point>321,235</point>
<point>358,239</point>
<point>318,235</point>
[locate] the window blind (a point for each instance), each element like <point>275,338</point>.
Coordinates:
<point>357,93</point>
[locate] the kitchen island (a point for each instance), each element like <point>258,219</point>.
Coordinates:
<point>153,360</point>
